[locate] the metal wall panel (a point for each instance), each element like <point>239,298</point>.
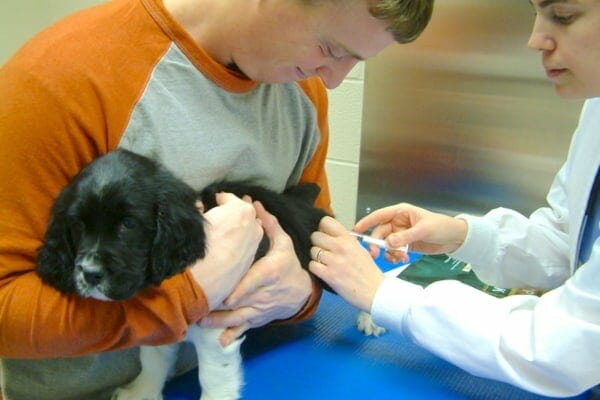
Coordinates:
<point>463,119</point>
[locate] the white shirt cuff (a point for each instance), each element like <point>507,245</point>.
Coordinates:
<point>392,302</point>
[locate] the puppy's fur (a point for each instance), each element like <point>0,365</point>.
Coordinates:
<point>125,222</point>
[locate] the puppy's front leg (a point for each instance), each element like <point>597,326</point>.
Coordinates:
<point>219,368</point>
<point>157,364</point>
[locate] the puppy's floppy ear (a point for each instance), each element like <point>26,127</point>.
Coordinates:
<point>56,257</point>
<point>180,238</point>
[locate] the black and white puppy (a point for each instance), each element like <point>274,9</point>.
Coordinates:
<point>125,222</point>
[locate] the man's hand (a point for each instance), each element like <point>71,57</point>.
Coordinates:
<point>233,234</point>
<point>276,287</point>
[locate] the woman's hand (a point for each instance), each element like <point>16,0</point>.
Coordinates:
<point>424,231</point>
<point>344,264</point>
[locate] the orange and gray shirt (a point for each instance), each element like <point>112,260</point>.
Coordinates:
<point>125,74</point>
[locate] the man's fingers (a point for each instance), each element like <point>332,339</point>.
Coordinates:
<point>232,333</point>
<point>226,318</point>
<point>269,221</point>
<point>234,323</point>
<point>247,198</point>
<point>223,197</point>
<point>250,283</point>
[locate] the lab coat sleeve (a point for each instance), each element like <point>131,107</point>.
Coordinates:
<point>548,345</point>
<point>509,250</point>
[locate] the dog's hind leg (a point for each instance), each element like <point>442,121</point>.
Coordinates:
<point>157,364</point>
<point>219,368</point>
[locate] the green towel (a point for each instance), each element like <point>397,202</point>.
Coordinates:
<point>431,268</point>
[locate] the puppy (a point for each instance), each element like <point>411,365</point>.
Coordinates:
<point>125,222</point>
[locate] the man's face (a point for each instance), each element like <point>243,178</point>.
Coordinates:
<point>290,41</point>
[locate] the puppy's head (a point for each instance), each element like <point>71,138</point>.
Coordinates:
<point>122,224</point>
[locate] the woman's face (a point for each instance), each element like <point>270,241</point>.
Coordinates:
<point>567,32</point>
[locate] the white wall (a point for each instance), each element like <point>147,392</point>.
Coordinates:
<point>345,116</point>
<point>21,19</point>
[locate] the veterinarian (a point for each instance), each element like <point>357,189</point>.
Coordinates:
<point>550,344</point>
<point>213,90</point>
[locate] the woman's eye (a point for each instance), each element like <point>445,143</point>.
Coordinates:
<point>563,14</point>
<point>563,19</point>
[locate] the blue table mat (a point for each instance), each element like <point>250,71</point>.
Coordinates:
<point>326,357</point>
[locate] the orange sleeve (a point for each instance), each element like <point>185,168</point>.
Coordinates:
<point>50,126</point>
<point>315,170</point>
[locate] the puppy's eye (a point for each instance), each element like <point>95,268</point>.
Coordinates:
<point>128,223</point>
<point>76,228</point>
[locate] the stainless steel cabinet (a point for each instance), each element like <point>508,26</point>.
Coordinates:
<point>463,119</point>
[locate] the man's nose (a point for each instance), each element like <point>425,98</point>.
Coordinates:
<point>333,74</point>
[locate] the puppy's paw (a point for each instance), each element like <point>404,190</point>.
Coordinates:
<point>207,396</point>
<point>365,324</point>
<point>133,393</point>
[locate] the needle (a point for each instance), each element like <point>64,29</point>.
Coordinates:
<point>378,242</point>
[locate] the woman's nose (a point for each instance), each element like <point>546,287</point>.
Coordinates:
<point>540,39</point>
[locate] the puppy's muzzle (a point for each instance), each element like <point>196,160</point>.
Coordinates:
<point>91,277</point>
<point>89,270</point>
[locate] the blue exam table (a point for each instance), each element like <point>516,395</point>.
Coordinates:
<point>328,358</point>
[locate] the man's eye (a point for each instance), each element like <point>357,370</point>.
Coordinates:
<point>328,52</point>
<point>323,50</point>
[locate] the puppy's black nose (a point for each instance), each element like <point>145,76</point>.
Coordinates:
<point>92,277</point>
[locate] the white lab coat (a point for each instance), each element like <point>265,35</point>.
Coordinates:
<point>548,345</point>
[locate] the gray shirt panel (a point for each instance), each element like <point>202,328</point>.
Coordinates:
<point>205,134</point>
